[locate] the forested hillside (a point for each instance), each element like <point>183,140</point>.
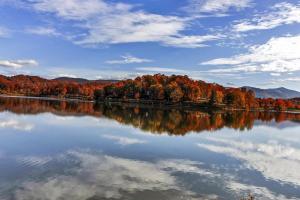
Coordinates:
<point>178,89</point>
<point>157,88</point>
<point>40,87</point>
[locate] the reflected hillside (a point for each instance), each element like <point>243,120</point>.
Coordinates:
<point>155,120</point>
<point>38,106</point>
<point>180,122</point>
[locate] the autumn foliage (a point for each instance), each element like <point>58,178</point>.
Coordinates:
<point>176,89</point>
<point>181,89</point>
<point>154,120</point>
<point>157,88</point>
<point>181,122</point>
<point>39,87</point>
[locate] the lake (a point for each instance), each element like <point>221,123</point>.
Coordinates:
<point>79,150</point>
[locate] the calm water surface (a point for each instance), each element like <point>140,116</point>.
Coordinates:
<point>66,150</point>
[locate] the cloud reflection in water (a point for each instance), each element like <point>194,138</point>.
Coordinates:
<point>103,176</point>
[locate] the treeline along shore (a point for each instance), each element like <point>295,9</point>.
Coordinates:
<point>182,91</point>
<point>155,120</point>
<point>156,89</point>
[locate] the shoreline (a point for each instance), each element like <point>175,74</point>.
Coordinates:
<point>191,106</point>
<point>45,98</point>
<point>188,107</point>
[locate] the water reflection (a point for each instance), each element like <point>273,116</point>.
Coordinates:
<point>98,176</point>
<point>158,120</point>
<point>14,124</point>
<point>260,156</point>
<point>83,174</point>
<point>73,150</point>
<point>181,122</point>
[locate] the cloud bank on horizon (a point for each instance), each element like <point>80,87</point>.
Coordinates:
<point>249,42</point>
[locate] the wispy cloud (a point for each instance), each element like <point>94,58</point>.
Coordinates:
<point>129,59</point>
<point>17,63</point>
<point>276,55</point>
<point>259,156</point>
<point>15,124</point>
<point>90,73</point>
<point>280,14</point>
<point>113,176</point>
<point>104,177</point>
<point>295,79</point>
<point>281,80</point>
<point>67,75</point>
<point>47,31</point>
<point>4,32</point>
<point>275,74</point>
<point>193,41</point>
<point>77,9</point>
<point>216,6</point>
<point>106,22</point>
<point>159,69</point>
<point>124,140</point>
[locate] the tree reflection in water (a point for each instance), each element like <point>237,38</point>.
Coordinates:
<point>152,119</point>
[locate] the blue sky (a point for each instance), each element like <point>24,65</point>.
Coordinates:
<point>231,42</point>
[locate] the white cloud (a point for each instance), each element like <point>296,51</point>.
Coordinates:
<point>129,59</point>
<point>275,74</point>
<point>48,31</point>
<point>17,63</point>
<point>104,177</point>
<point>186,166</point>
<point>67,75</point>
<point>15,124</point>
<point>293,80</point>
<point>113,23</point>
<point>142,27</point>
<point>90,73</point>
<point>192,41</point>
<point>220,6</point>
<point>257,191</point>
<point>276,55</point>
<point>77,9</point>
<point>4,32</point>
<point>280,14</point>
<point>124,140</point>
<point>159,69</point>
<point>296,79</point>
<point>275,161</point>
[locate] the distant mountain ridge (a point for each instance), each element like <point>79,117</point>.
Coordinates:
<point>275,93</point>
<point>83,80</point>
